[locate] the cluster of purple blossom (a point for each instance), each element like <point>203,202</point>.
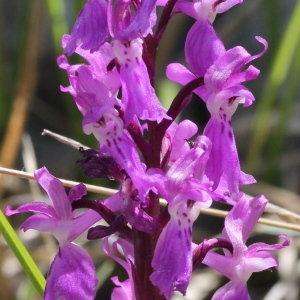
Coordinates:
<point>149,153</point>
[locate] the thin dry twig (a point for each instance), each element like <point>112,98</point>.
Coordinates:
<point>283,198</point>
<point>283,213</point>
<point>66,183</point>
<point>108,192</point>
<point>64,140</point>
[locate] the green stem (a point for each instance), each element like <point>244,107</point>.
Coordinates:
<point>32,271</point>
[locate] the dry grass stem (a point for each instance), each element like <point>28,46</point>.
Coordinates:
<point>64,140</point>
<point>108,192</point>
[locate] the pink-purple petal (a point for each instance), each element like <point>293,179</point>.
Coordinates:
<point>223,264</point>
<point>90,30</point>
<point>189,163</point>
<point>188,8</point>
<point>181,134</point>
<point>223,161</point>
<point>123,291</point>
<point>249,74</point>
<point>72,275</point>
<point>77,192</point>
<point>56,192</point>
<point>179,73</point>
<point>118,16</point>
<point>202,38</point>
<point>262,260</point>
<point>82,223</point>
<point>138,96</point>
<point>98,62</point>
<point>228,64</point>
<point>239,265</point>
<point>41,223</point>
<point>142,22</point>
<point>243,217</point>
<point>126,287</point>
<point>222,6</point>
<point>172,261</point>
<point>262,247</point>
<point>232,290</point>
<point>39,207</point>
<point>205,9</point>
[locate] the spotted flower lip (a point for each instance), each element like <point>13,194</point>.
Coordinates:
<point>186,189</point>
<point>62,222</point>
<point>138,96</point>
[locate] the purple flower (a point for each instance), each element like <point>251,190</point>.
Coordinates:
<point>186,189</point>
<point>90,33</point>
<point>98,63</point>
<point>97,19</point>
<point>240,265</point>
<point>127,30</point>
<point>96,102</point>
<point>91,84</point>
<point>72,273</point>
<point>222,92</point>
<point>138,96</point>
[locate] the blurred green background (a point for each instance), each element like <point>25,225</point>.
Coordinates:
<point>267,134</point>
